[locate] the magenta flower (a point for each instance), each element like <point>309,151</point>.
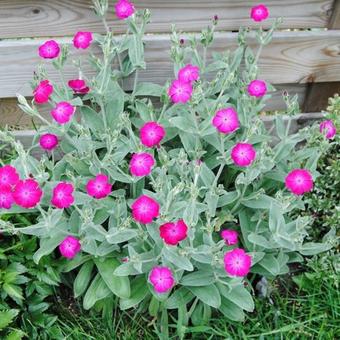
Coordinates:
<point>124,9</point>
<point>189,73</point>
<point>63,112</point>
<point>328,128</point>
<point>78,86</point>
<point>299,181</point>
<point>141,164</point>
<point>49,50</point>
<point>151,134</point>
<point>259,13</point>
<point>180,92</point>
<point>42,92</point>
<point>8,175</point>
<point>243,154</point>
<point>257,88</point>
<point>6,196</point>
<point>226,120</point>
<point>162,279</point>
<point>82,40</point>
<point>48,141</point>
<point>230,236</point>
<point>174,232</point>
<point>237,262</point>
<point>69,247</point>
<point>145,209</point>
<point>27,193</point>
<point>62,196</point>
<point>99,187</point>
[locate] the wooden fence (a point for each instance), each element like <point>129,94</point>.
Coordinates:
<point>303,58</point>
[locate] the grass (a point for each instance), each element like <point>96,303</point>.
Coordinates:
<point>307,309</point>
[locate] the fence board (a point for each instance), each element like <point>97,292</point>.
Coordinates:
<point>292,57</point>
<point>41,18</point>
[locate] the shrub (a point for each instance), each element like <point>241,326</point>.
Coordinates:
<point>26,288</point>
<point>322,202</point>
<point>167,196</point>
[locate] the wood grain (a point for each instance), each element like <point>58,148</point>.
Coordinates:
<point>41,18</point>
<point>334,22</point>
<point>317,94</point>
<point>13,116</point>
<point>292,57</point>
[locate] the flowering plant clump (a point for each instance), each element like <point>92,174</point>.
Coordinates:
<point>168,196</point>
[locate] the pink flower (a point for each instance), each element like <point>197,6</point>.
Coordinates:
<point>172,233</point>
<point>8,175</point>
<point>49,50</point>
<point>151,134</point>
<point>69,247</point>
<point>230,236</point>
<point>63,112</point>
<point>145,209</point>
<point>259,13</point>
<point>237,262</point>
<point>243,154</point>
<point>257,88</point>
<point>124,9</point>
<point>162,279</point>
<point>327,127</point>
<point>189,73</point>
<point>48,141</point>
<point>226,120</point>
<point>27,193</point>
<point>180,92</point>
<point>82,40</point>
<point>42,92</point>
<point>99,187</point>
<point>6,196</point>
<point>78,86</point>
<point>62,195</point>
<point>299,181</point>
<point>141,164</point>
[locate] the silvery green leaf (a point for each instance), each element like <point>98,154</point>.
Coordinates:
<point>208,294</point>
<point>120,235</point>
<point>148,89</point>
<point>312,248</point>
<point>179,261</point>
<point>260,241</point>
<point>198,278</point>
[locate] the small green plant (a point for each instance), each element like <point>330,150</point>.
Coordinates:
<point>25,285</point>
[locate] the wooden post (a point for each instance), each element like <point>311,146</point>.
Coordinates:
<point>317,94</point>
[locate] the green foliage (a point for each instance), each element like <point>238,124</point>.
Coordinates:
<point>26,286</point>
<point>208,195</point>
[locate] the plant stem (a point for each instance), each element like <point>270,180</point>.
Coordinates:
<point>135,82</point>
<point>102,110</point>
<point>63,82</point>
<point>162,113</point>
<point>105,24</point>
<point>288,126</point>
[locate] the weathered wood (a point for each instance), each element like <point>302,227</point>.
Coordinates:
<point>334,22</point>
<point>292,57</point>
<point>299,121</point>
<point>13,116</point>
<point>41,18</point>
<point>317,94</point>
